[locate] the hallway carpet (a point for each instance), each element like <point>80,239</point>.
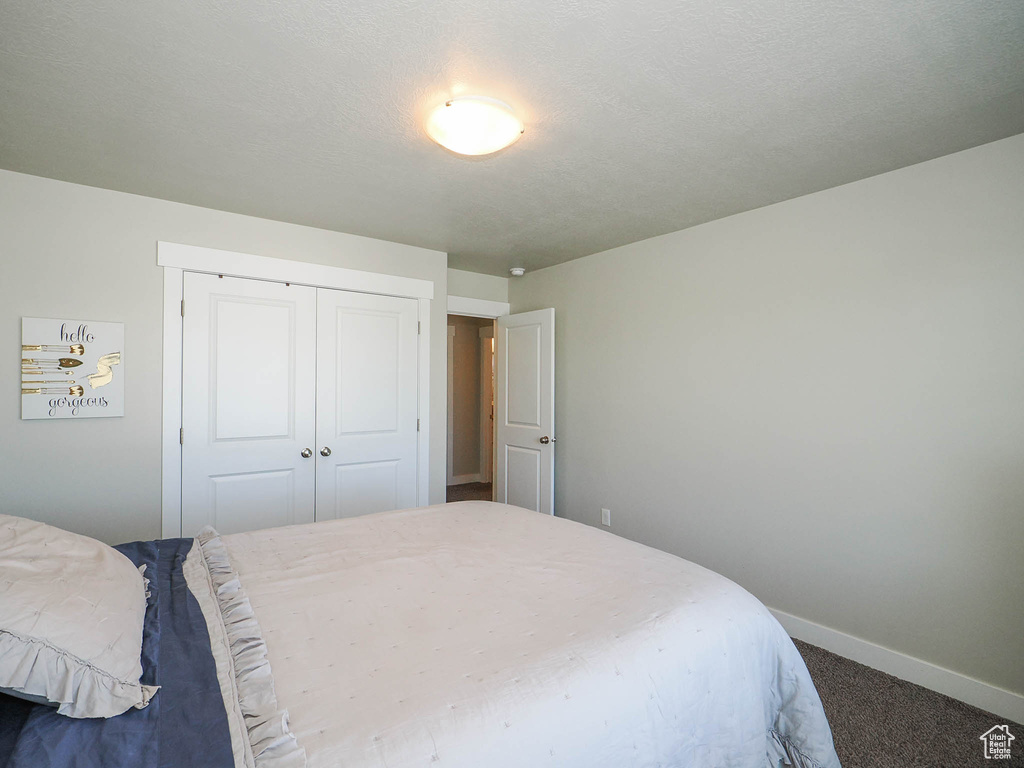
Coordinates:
<point>470,492</point>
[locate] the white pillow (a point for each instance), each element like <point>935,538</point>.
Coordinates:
<point>71,615</point>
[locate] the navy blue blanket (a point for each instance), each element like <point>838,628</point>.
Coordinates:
<point>184,726</point>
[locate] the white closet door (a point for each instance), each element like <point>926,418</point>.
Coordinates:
<point>366,403</point>
<point>525,403</point>
<point>248,398</point>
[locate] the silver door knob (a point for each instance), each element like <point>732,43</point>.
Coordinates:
<point>545,440</point>
<point>306,453</point>
<point>325,451</point>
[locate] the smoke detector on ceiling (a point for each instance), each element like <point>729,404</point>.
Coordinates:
<point>517,271</point>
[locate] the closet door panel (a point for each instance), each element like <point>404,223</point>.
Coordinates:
<point>368,486</point>
<point>248,399</point>
<point>368,374</point>
<point>366,403</point>
<point>252,390</point>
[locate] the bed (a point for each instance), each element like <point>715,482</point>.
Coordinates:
<point>464,635</point>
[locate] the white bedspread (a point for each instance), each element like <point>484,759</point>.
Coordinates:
<point>478,635</point>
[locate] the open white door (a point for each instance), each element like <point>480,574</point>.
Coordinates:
<point>525,401</point>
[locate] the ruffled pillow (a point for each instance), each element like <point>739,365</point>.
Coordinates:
<point>71,615</point>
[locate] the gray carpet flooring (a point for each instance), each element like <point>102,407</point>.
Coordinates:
<point>879,721</point>
<point>470,492</point>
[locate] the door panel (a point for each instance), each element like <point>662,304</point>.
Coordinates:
<point>367,487</point>
<point>522,346</point>
<point>523,476</point>
<point>366,403</point>
<point>525,404</point>
<point>249,500</point>
<point>248,362</point>
<point>367,375</point>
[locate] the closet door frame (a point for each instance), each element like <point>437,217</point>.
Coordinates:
<point>177,259</point>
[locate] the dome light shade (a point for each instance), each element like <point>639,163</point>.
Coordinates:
<point>474,125</point>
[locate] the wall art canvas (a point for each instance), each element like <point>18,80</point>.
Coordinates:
<point>71,369</point>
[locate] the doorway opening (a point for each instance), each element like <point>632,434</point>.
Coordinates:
<point>470,408</point>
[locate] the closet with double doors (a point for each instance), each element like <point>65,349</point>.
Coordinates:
<point>298,404</point>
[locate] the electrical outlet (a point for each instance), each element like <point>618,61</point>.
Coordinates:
<point>606,517</point>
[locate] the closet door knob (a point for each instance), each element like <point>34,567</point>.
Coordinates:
<point>325,451</point>
<point>545,440</point>
<point>306,453</point>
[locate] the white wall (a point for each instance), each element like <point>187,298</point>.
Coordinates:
<point>821,399</point>
<point>473,285</point>
<point>72,251</point>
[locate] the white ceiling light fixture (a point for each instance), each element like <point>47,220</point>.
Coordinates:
<point>517,271</point>
<point>474,125</point>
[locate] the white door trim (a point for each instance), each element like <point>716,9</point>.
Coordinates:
<point>463,305</point>
<point>423,417</point>
<point>486,398</point>
<point>170,493</point>
<point>195,258</point>
<point>450,454</point>
<point>177,259</point>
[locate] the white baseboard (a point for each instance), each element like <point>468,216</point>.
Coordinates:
<point>974,692</point>
<point>464,479</point>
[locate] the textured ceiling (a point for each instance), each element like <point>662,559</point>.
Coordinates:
<point>641,117</point>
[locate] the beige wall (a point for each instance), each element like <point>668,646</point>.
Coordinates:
<point>466,393</point>
<point>476,286</point>
<point>79,252</point>
<point>821,399</point>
